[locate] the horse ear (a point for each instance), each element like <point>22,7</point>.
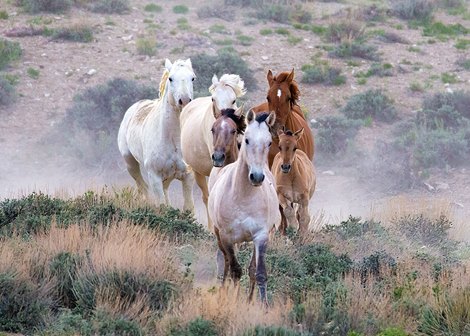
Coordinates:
<point>250,116</point>
<point>188,63</point>
<point>271,119</point>
<point>270,76</point>
<point>168,64</point>
<point>299,133</point>
<point>290,78</point>
<point>281,131</point>
<point>215,110</point>
<point>215,80</point>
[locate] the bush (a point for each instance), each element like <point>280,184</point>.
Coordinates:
<point>226,61</point>
<point>335,133</point>
<point>458,100</point>
<point>196,327</point>
<point>110,6</point>
<point>372,103</point>
<point>77,33</point>
<point>180,9</point>
<point>376,265</point>
<point>355,49</point>
<point>64,268</point>
<point>353,227</point>
<point>104,324</point>
<point>146,46</point>
<point>424,230</point>
<point>377,69</point>
<point>24,306</point>
<point>276,13</point>
<point>7,92</point>
<point>154,8</point>
<point>393,332</point>
<point>346,31</point>
<point>420,10</point>
<point>271,331</point>
<point>9,52</point>
<point>53,6</point>
<point>313,74</point>
<point>216,11</point>
<point>125,286</point>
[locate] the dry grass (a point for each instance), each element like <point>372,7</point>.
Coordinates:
<point>227,308</point>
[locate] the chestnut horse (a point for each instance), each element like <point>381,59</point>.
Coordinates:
<point>295,181</point>
<point>243,204</point>
<point>149,135</point>
<point>197,119</point>
<point>282,97</point>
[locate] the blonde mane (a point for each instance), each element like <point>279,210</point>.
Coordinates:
<point>162,86</point>
<point>233,81</point>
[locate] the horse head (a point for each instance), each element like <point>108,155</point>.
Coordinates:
<point>179,84</point>
<point>225,92</point>
<point>225,130</point>
<point>282,95</point>
<point>256,144</point>
<point>288,146</point>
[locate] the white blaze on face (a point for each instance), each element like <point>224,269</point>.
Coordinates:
<point>279,92</point>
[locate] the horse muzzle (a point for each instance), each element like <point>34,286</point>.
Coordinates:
<point>218,159</point>
<point>285,168</point>
<point>256,179</point>
<point>184,101</point>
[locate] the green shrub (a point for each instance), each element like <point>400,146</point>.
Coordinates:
<point>372,103</point>
<point>154,8</point>
<point>464,63</point>
<point>7,92</point>
<point>376,265</point>
<point>69,324</point>
<point>226,61</point>
<point>77,33</point>
<point>444,117</point>
<point>324,74</point>
<point>424,230</point>
<point>458,100</point>
<point>24,306</point>
<point>92,122</point>
<point>109,325</point>
<point>440,29</point>
<point>377,69</point>
<point>53,6</point>
<point>355,49</point>
<point>420,10</point>
<point>462,44</point>
<point>271,331</point>
<point>9,52</point>
<point>449,78</point>
<point>300,15</point>
<point>196,327</point>
<point>393,332</point>
<point>245,40</point>
<point>146,46</point>
<point>276,13</point>
<point>180,9</point>
<point>345,31</point>
<point>33,73</point>
<point>127,288</point>
<point>266,31</point>
<point>216,11</point>
<point>110,6</point>
<point>335,133</point>
<point>3,15</point>
<point>64,268</point>
<point>354,227</point>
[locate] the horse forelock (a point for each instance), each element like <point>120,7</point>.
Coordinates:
<point>238,120</point>
<point>232,81</point>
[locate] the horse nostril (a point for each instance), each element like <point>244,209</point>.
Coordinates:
<point>262,178</point>
<point>180,102</point>
<point>189,99</point>
<point>252,177</point>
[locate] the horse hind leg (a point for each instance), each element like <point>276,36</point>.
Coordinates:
<point>187,181</point>
<point>261,274</point>
<point>252,273</point>
<point>133,167</point>
<point>304,218</point>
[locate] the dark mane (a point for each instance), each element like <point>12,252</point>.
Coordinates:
<point>261,117</point>
<point>238,120</point>
<point>288,132</point>
<point>293,87</point>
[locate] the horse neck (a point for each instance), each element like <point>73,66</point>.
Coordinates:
<point>240,180</point>
<point>168,121</point>
<point>233,153</point>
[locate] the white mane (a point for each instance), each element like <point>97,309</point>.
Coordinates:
<point>234,81</point>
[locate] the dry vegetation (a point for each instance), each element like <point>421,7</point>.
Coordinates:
<point>387,86</point>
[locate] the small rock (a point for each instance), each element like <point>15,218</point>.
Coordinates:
<point>69,73</point>
<point>442,186</point>
<point>47,95</point>
<point>449,90</point>
<point>264,58</point>
<point>43,55</point>
<point>91,72</point>
<point>429,187</point>
<point>127,38</point>
<point>329,172</point>
<point>313,121</point>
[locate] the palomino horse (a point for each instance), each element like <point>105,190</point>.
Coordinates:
<point>149,135</point>
<point>243,203</point>
<point>282,98</point>
<point>225,131</point>
<point>295,181</point>
<point>197,119</point>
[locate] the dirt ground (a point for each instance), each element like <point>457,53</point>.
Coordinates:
<point>67,68</point>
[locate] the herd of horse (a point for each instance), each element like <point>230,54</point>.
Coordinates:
<point>254,169</point>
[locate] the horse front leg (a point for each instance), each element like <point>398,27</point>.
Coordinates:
<point>252,273</point>
<point>304,220</point>
<point>287,212</point>
<point>261,274</point>
<point>156,185</point>
<point>188,181</point>
<point>202,183</point>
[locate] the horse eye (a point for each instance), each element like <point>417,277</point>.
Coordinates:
<point>171,79</point>
<point>192,79</point>
<point>212,99</point>
<point>233,102</point>
<point>268,99</point>
<point>269,145</point>
<point>246,141</point>
<point>280,148</point>
<point>233,131</point>
<point>212,130</point>
<point>295,148</point>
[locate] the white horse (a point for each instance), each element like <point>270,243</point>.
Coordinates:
<point>243,203</point>
<point>149,135</point>
<point>197,119</point>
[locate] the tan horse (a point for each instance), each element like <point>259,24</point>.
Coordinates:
<point>295,181</point>
<point>149,135</point>
<point>282,97</point>
<point>243,204</point>
<point>197,119</point>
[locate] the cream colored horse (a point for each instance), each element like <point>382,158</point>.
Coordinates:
<point>197,119</point>
<point>149,135</point>
<point>295,181</point>
<point>243,203</point>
